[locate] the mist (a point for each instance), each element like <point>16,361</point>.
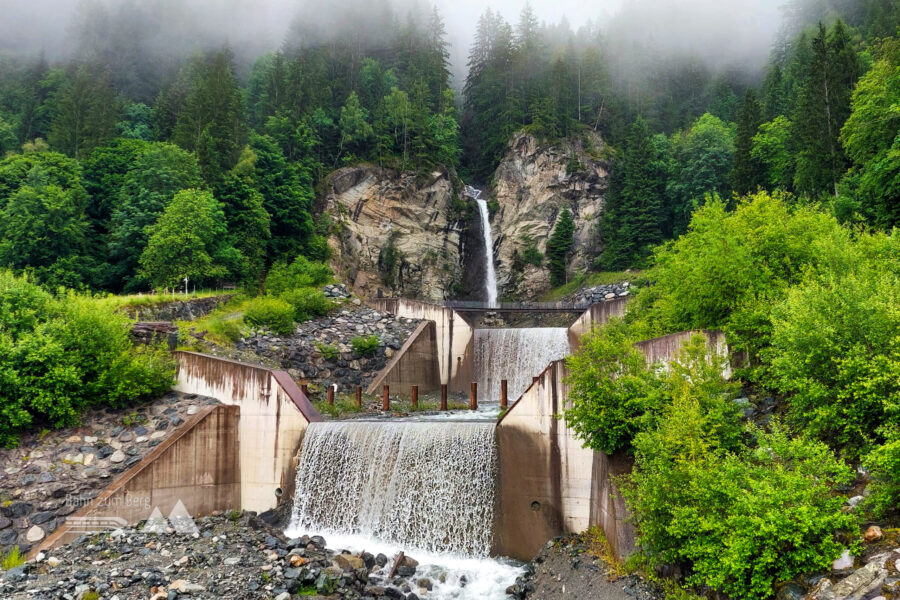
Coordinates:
<point>722,33</point>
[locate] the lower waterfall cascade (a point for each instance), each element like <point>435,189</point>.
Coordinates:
<point>429,486</point>
<point>516,355</point>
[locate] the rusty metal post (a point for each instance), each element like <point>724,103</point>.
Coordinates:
<point>330,395</point>
<point>305,389</point>
<point>443,396</point>
<point>386,398</point>
<point>415,396</point>
<point>504,401</point>
<point>359,396</point>
<point>473,397</point>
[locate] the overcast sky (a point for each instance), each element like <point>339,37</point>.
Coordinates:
<point>719,30</point>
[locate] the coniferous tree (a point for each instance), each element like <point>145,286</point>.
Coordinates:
<point>633,214</point>
<point>559,246</point>
<point>747,172</point>
<point>211,122</point>
<point>86,112</point>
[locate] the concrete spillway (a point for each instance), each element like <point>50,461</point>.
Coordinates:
<point>516,355</point>
<point>428,486</point>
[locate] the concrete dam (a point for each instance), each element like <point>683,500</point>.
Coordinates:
<point>463,491</point>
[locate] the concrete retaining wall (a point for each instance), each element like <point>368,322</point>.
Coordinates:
<point>274,417</point>
<point>198,466</point>
<point>453,333</point>
<point>596,315</point>
<point>549,484</point>
<point>416,363</point>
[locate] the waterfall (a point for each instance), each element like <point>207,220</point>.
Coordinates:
<point>490,279</point>
<point>427,486</point>
<point>516,355</point>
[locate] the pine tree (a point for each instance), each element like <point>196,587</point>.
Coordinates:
<point>559,246</point>
<point>633,214</point>
<point>747,172</point>
<point>86,112</point>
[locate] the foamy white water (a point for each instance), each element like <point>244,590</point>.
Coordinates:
<point>421,485</point>
<point>516,355</point>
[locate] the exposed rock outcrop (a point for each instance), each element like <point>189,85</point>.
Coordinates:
<point>395,232</point>
<point>531,186</point>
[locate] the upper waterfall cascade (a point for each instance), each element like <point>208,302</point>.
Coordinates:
<point>429,486</point>
<point>516,355</point>
<point>490,279</point>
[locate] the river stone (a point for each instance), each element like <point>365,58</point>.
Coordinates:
<point>4,522</point>
<point>117,457</point>
<point>233,561</point>
<point>8,537</point>
<point>348,562</point>
<point>844,562</point>
<point>41,517</point>
<point>35,534</point>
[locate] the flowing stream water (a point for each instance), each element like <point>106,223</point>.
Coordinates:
<point>516,355</point>
<point>490,278</point>
<point>427,488</point>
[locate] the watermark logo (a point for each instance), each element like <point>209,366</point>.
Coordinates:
<point>179,520</point>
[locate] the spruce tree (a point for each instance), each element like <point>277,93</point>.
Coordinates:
<point>559,246</point>
<point>633,214</point>
<point>747,172</point>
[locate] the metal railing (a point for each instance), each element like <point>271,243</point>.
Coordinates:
<point>515,306</point>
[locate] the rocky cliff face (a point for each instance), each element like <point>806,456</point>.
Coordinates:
<point>530,188</point>
<point>396,233</point>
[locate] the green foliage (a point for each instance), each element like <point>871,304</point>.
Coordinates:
<point>559,246</point>
<point>301,273</point>
<point>884,464</point>
<point>365,345</point>
<point>747,171</point>
<point>738,522</point>
<point>612,389</point>
<point>772,150</point>
<point>871,140</point>
<point>633,217</point>
<point>308,302</point>
<point>86,112</point>
<point>59,356</point>
<point>188,242</point>
<point>835,349</point>
<point>12,559</point>
<point>328,351</point>
<point>729,268</point>
<point>273,313</point>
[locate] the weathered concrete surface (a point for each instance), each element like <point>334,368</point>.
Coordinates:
<point>199,466</point>
<point>454,335</point>
<point>596,315</point>
<point>549,483</point>
<point>664,349</point>
<point>416,363</point>
<point>274,417</point>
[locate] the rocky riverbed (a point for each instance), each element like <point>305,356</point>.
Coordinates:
<point>229,556</point>
<point>51,474</point>
<point>322,350</point>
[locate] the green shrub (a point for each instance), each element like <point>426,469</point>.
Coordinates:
<point>365,345</point>
<point>731,267</point>
<point>301,273</point>
<point>884,464</point>
<point>531,255</point>
<point>272,313</point>
<point>60,356</point>
<point>328,351</point>
<point>836,349</point>
<point>308,302</point>
<point>12,559</point>
<point>738,523</point>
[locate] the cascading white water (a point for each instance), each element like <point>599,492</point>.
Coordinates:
<point>516,355</point>
<point>426,486</point>
<point>490,278</point>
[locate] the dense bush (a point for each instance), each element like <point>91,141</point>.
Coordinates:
<point>308,302</point>
<point>616,395</point>
<point>273,313</point>
<point>62,355</point>
<point>884,465</point>
<point>736,522</point>
<point>835,347</point>
<point>301,273</point>
<point>729,268</point>
<point>365,345</point>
